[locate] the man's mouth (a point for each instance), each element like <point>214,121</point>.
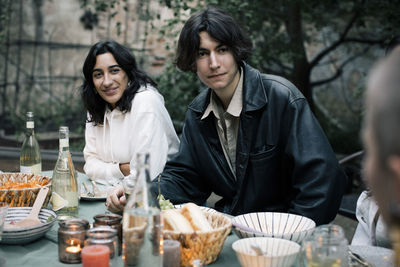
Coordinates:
<point>216,76</point>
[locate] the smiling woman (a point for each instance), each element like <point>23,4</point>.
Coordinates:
<point>126,115</point>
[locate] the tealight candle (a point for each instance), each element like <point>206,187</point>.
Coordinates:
<point>71,235</point>
<point>96,256</point>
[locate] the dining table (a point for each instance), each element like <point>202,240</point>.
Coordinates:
<point>43,252</point>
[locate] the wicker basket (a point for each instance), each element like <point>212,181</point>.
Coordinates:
<point>22,197</point>
<point>205,246</point>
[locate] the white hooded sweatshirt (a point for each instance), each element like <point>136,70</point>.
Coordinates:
<point>146,128</point>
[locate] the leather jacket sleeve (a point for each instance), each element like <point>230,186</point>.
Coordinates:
<point>318,182</point>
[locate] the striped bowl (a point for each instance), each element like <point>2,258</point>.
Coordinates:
<point>25,235</point>
<point>277,252</point>
<point>273,224</point>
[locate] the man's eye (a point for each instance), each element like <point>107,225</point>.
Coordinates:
<point>201,54</point>
<point>223,49</point>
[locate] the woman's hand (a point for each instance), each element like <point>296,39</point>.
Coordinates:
<point>116,199</point>
<point>125,168</point>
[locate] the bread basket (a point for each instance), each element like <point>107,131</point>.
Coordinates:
<point>204,246</point>
<point>21,189</point>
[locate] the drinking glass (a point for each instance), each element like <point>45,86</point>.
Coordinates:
<point>3,215</point>
<point>326,247</point>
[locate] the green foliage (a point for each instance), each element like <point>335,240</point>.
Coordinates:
<point>179,89</point>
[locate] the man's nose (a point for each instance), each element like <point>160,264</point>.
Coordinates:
<point>214,62</point>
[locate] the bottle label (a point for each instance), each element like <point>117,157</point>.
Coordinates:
<point>34,169</point>
<point>64,143</point>
<point>30,124</point>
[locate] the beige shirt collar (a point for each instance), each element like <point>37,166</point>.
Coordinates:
<point>235,106</point>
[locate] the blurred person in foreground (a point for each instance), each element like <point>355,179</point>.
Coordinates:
<point>250,138</point>
<point>372,229</point>
<point>126,115</point>
<point>382,140</point>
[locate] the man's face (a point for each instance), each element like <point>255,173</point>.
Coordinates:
<point>215,65</point>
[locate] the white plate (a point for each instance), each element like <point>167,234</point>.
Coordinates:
<point>84,196</point>
<point>96,198</point>
<point>377,256</point>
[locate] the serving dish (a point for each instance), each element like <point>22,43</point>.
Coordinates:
<point>273,224</point>
<point>26,235</point>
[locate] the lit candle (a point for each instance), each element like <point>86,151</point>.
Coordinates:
<point>96,256</point>
<point>74,246</point>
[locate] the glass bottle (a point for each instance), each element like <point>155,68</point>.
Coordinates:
<point>30,160</point>
<point>142,224</point>
<point>64,183</point>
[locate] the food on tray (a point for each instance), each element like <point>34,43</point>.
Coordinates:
<point>21,189</point>
<point>188,219</point>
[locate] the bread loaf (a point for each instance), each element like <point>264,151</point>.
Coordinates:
<point>174,220</point>
<point>196,218</point>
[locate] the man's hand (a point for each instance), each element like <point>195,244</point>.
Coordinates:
<point>125,168</point>
<point>116,199</point>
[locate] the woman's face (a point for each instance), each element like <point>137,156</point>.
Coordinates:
<point>109,79</point>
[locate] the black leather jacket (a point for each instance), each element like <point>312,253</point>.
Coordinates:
<point>283,163</point>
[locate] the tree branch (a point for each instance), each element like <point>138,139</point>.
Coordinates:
<point>339,70</point>
<point>335,44</point>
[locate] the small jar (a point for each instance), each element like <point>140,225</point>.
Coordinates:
<point>104,235</point>
<point>71,237</point>
<point>112,220</point>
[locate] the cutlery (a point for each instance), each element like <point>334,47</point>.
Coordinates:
<point>89,193</point>
<point>96,190</point>
<point>32,219</point>
<point>247,229</point>
<point>358,259</point>
<point>258,250</point>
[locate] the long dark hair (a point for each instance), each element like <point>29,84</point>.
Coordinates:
<point>93,102</point>
<point>220,26</point>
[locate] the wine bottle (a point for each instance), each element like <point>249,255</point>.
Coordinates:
<point>30,160</point>
<point>65,195</point>
<point>142,222</point>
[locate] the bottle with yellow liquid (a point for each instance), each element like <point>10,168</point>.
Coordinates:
<point>30,160</point>
<point>65,195</point>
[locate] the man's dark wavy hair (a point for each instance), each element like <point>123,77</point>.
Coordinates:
<point>93,102</point>
<point>220,26</point>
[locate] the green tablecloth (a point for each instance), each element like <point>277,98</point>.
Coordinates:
<point>44,252</point>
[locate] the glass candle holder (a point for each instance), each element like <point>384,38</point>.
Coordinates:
<point>71,237</point>
<point>172,253</point>
<point>112,220</point>
<point>103,235</point>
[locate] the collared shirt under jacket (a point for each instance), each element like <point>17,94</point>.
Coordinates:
<point>284,162</point>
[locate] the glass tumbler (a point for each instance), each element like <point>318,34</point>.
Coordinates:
<point>326,246</point>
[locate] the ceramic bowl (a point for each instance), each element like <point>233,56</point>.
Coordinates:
<point>277,252</point>
<point>273,224</point>
<point>25,235</point>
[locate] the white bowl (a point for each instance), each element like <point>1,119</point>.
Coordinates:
<point>277,252</point>
<point>25,235</point>
<point>273,224</point>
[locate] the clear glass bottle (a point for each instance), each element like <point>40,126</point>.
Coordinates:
<point>142,224</point>
<point>30,160</point>
<point>65,196</point>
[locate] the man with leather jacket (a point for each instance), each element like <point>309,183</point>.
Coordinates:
<point>251,138</point>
